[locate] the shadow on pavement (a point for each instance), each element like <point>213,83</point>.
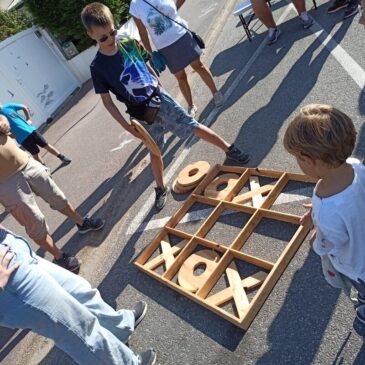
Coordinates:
<point>7,335</point>
<point>296,333</point>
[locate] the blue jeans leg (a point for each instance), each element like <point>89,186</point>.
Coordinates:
<point>34,299</point>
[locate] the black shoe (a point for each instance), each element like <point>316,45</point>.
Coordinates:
<point>91,224</point>
<point>64,159</point>
<point>139,310</point>
<point>68,262</point>
<point>161,197</point>
<point>237,155</point>
<point>337,5</point>
<point>351,10</point>
<point>359,322</point>
<point>147,358</point>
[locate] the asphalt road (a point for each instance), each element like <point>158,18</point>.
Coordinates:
<point>304,321</point>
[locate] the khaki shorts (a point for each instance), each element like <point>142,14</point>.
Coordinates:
<point>16,195</point>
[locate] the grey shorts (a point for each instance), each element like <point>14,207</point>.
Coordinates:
<point>16,194</point>
<point>171,118</point>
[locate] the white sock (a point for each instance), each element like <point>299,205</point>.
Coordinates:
<point>304,15</point>
<point>272,30</point>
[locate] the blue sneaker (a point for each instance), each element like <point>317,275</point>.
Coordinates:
<point>307,23</point>
<point>273,35</point>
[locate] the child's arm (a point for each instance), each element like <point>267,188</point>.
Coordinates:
<point>307,217</point>
<point>115,113</point>
<point>27,114</point>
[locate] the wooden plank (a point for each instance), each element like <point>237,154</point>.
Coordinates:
<point>253,260</point>
<point>226,294</point>
<point>284,217</point>
<point>226,315</point>
<point>151,248</point>
<point>210,221</point>
<point>275,274</point>
<point>239,185</point>
<point>160,259</point>
<point>266,172</point>
<point>275,192</point>
<point>244,198</point>
<point>302,178</point>
<point>239,294</point>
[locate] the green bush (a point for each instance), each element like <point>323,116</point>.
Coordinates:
<point>12,22</point>
<point>62,17</point>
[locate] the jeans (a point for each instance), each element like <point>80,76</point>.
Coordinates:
<point>62,306</point>
<point>171,118</point>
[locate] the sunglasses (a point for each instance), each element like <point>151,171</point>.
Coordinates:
<point>113,33</point>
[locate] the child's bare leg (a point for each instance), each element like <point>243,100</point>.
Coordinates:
<point>70,212</point>
<point>47,244</point>
<point>52,150</point>
<point>38,158</point>
<point>210,136</point>
<point>157,169</point>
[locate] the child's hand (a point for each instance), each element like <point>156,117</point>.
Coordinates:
<point>134,132</point>
<point>307,217</point>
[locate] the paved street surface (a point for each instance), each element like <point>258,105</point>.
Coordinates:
<point>304,321</point>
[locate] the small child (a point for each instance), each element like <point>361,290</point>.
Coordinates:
<point>322,139</point>
<point>120,67</point>
<point>26,134</point>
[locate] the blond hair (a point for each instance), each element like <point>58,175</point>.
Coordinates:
<point>96,15</point>
<point>321,132</point>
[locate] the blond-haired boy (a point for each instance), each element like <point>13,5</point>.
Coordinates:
<point>120,67</point>
<point>322,139</point>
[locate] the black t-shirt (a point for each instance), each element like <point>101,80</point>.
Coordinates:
<point>124,74</point>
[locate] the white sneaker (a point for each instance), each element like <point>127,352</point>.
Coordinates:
<point>218,98</point>
<point>192,110</point>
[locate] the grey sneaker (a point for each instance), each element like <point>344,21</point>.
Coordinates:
<point>64,159</point>
<point>68,262</point>
<point>91,224</point>
<point>161,197</point>
<point>237,155</point>
<point>192,110</point>
<point>148,357</point>
<point>139,310</point>
<point>307,23</point>
<point>273,35</point>
<point>218,98</point>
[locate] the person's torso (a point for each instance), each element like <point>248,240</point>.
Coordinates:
<point>345,210</point>
<point>126,73</point>
<point>12,158</point>
<point>19,127</point>
<point>162,30</point>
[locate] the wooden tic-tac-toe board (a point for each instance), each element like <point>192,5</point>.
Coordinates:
<point>219,274</point>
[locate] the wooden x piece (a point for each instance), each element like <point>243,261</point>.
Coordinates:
<point>167,256</point>
<point>227,294</point>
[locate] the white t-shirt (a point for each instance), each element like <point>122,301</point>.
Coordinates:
<point>162,30</point>
<point>340,225</point>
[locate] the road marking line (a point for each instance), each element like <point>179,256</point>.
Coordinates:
<point>124,143</point>
<point>208,10</point>
<point>198,215</point>
<point>138,219</point>
<point>354,70</point>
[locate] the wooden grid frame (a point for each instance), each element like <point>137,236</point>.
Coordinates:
<point>173,257</point>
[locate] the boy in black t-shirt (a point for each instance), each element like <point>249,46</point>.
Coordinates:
<point>120,68</point>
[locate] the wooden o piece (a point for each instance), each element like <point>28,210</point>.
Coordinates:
<point>176,188</point>
<point>147,139</point>
<point>212,189</point>
<point>193,173</point>
<point>186,277</point>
